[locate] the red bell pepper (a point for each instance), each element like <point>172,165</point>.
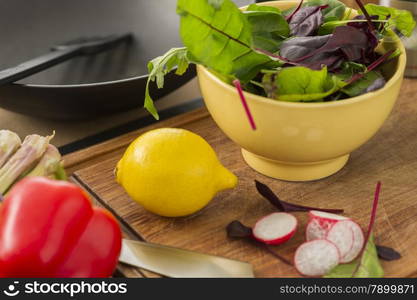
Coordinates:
<point>49,228</point>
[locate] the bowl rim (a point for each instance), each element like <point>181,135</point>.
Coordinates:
<point>394,79</point>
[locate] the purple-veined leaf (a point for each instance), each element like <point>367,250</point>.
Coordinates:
<point>306,21</point>
<point>237,230</point>
<point>387,253</point>
<point>269,195</point>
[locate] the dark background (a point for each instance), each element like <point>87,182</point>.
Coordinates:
<point>29,27</point>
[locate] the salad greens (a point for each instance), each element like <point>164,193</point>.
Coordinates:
<point>313,52</point>
<point>399,20</point>
<point>334,10</point>
<point>220,37</point>
<point>300,83</point>
<point>387,18</point>
<point>306,20</point>
<point>269,27</point>
<point>159,67</point>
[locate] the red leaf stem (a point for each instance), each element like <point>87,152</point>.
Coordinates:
<point>289,17</point>
<point>371,67</point>
<point>238,86</point>
<point>365,13</point>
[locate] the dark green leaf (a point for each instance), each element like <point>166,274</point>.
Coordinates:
<point>269,27</point>
<point>370,82</point>
<point>334,11</point>
<point>254,88</point>
<point>352,67</point>
<point>265,41</point>
<point>367,266</point>
<point>220,39</point>
<point>349,69</point>
<point>159,67</point>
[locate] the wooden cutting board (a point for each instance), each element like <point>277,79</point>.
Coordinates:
<point>390,157</point>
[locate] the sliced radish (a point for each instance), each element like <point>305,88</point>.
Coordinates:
<point>358,240</point>
<point>341,234</point>
<point>325,219</point>
<point>316,258</point>
<point>315,231</point>
<point>320,223</point>
<point>275,229</point>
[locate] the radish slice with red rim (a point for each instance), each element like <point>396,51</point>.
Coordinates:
<point>275,229</point>
<point>325,218</point>
<point>358,241</point>
<point>320,223</point>
<point>316,258</point>
<point>341,234</point>
<point>315,231</point>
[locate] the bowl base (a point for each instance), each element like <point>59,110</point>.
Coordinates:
<point>294,171</point>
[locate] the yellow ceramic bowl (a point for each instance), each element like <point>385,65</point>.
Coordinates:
<point>301,141</point>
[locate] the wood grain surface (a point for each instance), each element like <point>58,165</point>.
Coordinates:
<point>390,156</point>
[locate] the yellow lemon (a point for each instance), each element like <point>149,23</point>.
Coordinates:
<point>172,172</point>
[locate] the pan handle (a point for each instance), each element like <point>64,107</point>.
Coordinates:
<point>62,53</point>
<point>38,64</point>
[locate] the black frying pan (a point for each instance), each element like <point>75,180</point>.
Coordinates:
<point>85,87</point>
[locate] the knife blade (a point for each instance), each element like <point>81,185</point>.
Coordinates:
<point>180,263</point>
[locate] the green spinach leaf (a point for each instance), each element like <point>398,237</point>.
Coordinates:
<point>300,84</point>
<point>159,67</point>
<point>401,20</point>
<point>350,68</point>
<point>370,82</point>
<point>220,37</point>
<point>334,11</point>
<point>367,266</point>
<point>269,27</point>
<point>216,3</point>
<point>255,7</point>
